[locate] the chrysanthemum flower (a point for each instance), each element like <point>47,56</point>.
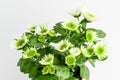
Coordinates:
<point>88,16</point>
<point>88,51</point>
<point>41,38</point>
<point>21,42</point>
<point>32,28</point>
<point>47,60</point>
<point>63,45</point>
<point>51,69</point>
<point>91,36</point>
<point>30,53</point>
<point>45,70</point>
<point>76,13</point>
<point>52,33</point>
<point>75,51</point>
<point>42,29</point>
<point>70,25</point>
<point>48,69</point>
<point>100,50</point>
<point>70,60</point>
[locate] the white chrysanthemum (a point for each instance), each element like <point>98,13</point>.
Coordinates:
<point>30,53</point>
<point>88,51</point>
<point>63,45</point>
<point>42,29</point>
<point>100,50</point>
<point>19,42</point>
<point>75,51</point>
<point>76,13</point>
<point>32,28</point>
<point>70,25</point>
<point>91,36</point>
<point>47,60</point>
<point>88,15</point>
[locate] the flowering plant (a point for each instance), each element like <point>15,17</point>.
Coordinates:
<point>61,53</point>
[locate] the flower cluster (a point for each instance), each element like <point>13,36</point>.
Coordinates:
<point>61,53</point>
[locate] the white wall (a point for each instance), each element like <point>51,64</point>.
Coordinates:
<point>17,15</point>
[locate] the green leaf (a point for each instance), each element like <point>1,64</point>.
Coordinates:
<point>84,24</point>
<point>58,28</point>
<point>81,60</point>
<point>56,39</point>
<point>34,42</point>
<point>25,65</point>
<point>72,78</point>
<point>84,72</point>
<point>101,34</point>
<point>46,77</point>
<point>62,72</point>
<point>92,62</point>
<point>33,71</point>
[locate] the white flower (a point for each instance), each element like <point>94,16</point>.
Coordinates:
<point>30,53</point>
<point>88,51</point>
<point>70,25</point>
<point>63,45</point>
<point>100,50</point>
<point>42,29</point>
<point>91,36</point>
<point>76,13</point>
<point>88,15</point>
<point>19,42</point>
<point>47,60</point>
<point>32,28</point>
<point>75,51</point>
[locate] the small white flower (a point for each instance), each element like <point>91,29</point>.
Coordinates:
<point>76,13</point>
<point>19,42</point>
<point>75,51</point>
<point>47,60</point>
<point>63,45</point>
<point>100,50</point>
<point>32,28</point>
<point>88,15</point>
<point>42,29</point>
<point>91,36</point>
<point>70,25</point>
<point>30,53</point>
<point>88,51</point>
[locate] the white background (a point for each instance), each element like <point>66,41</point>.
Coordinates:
<point>17,15</point>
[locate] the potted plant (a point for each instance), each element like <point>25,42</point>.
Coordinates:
<point>60,53</point>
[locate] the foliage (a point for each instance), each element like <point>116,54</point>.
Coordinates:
<point>61,53</point>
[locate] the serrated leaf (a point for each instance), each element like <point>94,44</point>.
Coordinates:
<point>101,34</point>
<point>56,39</point>
<point>84,72</point>
<point>34,42</point>
<point>25,65</point>
<point>33,71</point>
<point>58,28</point>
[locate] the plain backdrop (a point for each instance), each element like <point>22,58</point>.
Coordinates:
<point>17,15</point>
